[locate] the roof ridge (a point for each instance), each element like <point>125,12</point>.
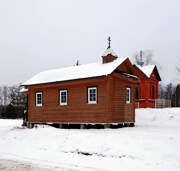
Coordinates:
<point>75,72</point>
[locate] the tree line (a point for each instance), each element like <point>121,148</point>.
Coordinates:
<point>170,92</point>
<point>12,102</point>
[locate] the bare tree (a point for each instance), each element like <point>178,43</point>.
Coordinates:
<point>1,97</point>
<point>144,57</point>
<point>169,91</point>
<point>11,95</point>
<point>5,95</point>
<point>178,67</point>
<point>16,97</point>
<point>161,92</point>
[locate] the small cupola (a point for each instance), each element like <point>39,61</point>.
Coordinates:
<point>108,55</point>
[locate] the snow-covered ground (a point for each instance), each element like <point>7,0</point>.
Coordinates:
<point>154,144</point>
<point>8,165</point>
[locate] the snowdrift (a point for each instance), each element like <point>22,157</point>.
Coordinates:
<point>152,145</point>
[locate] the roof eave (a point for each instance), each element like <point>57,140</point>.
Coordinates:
<point>63,81</point>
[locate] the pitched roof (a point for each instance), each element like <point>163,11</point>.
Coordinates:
<point>147,69</point>
<point>75,72</point>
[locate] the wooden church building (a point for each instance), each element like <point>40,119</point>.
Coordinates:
<point>98,93</point>
<point>147,91</point>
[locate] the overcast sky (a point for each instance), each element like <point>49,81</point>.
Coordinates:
<point>37,35</point>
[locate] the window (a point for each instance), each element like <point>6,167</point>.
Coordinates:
<point>92,95</point>
<point>39,99</point>
<point>128,95</point>
<point>137,93</point>
<point>63,97</point>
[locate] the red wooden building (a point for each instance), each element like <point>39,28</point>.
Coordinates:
<point>98,93</point>
<point>147,92</point>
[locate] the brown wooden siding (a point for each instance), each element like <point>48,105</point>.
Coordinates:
<point>78,110</point>
<point>111,106</point>
<point>120,110</point>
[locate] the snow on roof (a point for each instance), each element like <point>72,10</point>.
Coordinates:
<point>23,90</point>
<point>147,69</point>
<point>109,51</point>
<point>75,72</point>
<point>129,75</point>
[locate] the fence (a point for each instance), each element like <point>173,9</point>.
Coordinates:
<point>162,103</point>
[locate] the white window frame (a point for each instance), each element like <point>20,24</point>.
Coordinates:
<point>129,90</point>
<point>39,93</point>
<point>60,97</point>
<point>92,102</point>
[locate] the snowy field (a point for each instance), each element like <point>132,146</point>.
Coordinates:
<point>154,144</point>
